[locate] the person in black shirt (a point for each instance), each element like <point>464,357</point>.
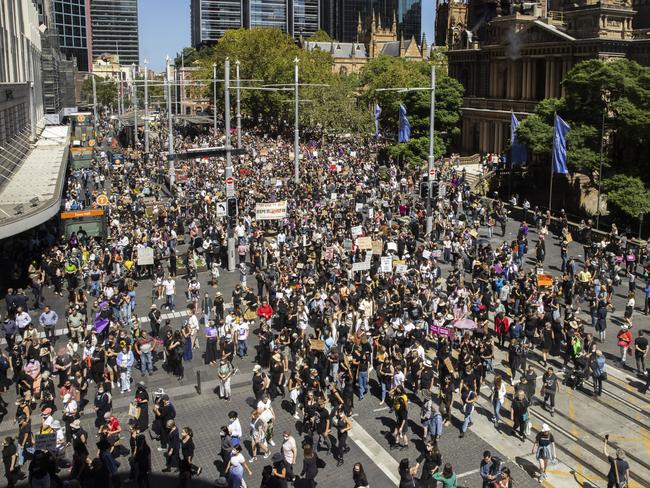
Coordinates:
<point>10,461</point>
<point>142,461</point>
<point>430,459</point>
<point>187,450</point>
<point>172,456</point>
<point>619,469</point>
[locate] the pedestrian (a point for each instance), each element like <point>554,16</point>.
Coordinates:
<point>598,372</point>
<point>519,413</point>
<point>498,399</point>
<point>225,450</point>
<point>290,453</point>
<point>447,477</point>
<point>48,320</point>
<point>430,460</point>
<point>236,466</point>
<point>343,426</point>
<point>10,461</point>
<point>407,474</point>
<point>400,406</point>
<point>544,450</point>
<point>279,472</point>
<point>624,338</point>
<point>225,374</point>
<point>142,461</point>
<point>172,455</point>
<point>468,398</point>
<point>550,387</point>
<point>619,469</point>
<point>359,476</point>
<point>640,352</point>
<point>187,450</point>
<point>309,466</point>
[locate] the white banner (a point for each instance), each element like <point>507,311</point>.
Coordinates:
<point>145,256</point>
<point>386,264</point>
<point>271,211</point>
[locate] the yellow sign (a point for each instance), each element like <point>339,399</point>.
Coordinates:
<point>102,200</point>
<point>91,142</point>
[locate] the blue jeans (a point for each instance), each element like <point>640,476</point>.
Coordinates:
<point>169,302</point>
<point>384,389</point>
<point>468,419</point>
<point>146,362</point>
<point>363,383</point>
<point>94,288</point>
<point>242,348</point>
<point>497,411</point>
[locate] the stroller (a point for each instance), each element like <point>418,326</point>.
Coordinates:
<point>576,377</point>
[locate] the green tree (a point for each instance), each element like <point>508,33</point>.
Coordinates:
<point>390,72</point>
<point>628,195</point>
<point>106,90</point>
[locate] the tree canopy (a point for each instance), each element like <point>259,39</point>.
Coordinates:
<point>106,90</point>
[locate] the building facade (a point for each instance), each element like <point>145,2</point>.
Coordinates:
<point>339,18</point>
<point>303,17</point>
<point>72,23</point>
<point>21,97</point>
<point>212,18</point>
<point>114,29</point>
<point>510,61</point>
<point>350,57</point>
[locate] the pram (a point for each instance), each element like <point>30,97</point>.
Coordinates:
<point>576,376</point>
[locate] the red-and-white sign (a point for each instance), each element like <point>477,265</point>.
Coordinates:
<point>432,172</point>
<point>230,186</point>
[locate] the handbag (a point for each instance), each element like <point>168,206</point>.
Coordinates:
<point>603,376</point>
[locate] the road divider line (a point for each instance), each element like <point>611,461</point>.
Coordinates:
<point>371,448</point>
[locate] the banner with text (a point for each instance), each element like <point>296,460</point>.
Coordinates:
<point>271,211</point>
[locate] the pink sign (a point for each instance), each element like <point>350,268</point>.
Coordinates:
<point>439,330</point>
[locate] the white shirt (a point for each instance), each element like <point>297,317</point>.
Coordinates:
<point>23,319</point>
<point>169,286</point>
<point>242,330</point>
<point>235,428</point>
<point>193,322</point>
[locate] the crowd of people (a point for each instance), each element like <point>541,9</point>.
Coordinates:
<point>345,290</point>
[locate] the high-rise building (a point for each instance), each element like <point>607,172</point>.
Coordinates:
<point>114,26</point>
<point>211,19</point>
<point>340,18</point>
<point>304,17</point>
<point>266,13</point>
<point>72,22</point>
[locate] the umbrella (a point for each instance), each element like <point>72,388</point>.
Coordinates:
<point>467,324</point>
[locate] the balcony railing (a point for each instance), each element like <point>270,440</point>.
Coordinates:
<point>499,104</point>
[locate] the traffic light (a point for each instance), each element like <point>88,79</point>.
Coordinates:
<point>434,190</point>
<point>424,189</point>
<point>231,207</point>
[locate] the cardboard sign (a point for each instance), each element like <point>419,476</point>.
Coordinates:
<point>356,231</point>
<point>544,281</point>
<point>45,442</point>
<point>387,264</point>
<point>271,211</point>
<point>377,247</point>
<point>391,247</point>
<point>358,207</point>
<point>436,254</point>
<point>426,254</point>
<point>145,256</point>
<point>361,266</point>
<point>347,244</point>
<point>333,197</point>
<point>364,243</point>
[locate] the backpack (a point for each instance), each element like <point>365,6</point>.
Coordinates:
<point>397,405</point>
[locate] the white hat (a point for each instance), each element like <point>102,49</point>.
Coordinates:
<point>545,428</point>
<point>257,368</point>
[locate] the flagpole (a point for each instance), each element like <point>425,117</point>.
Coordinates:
<point>512,113</point>
<point>550,193</point>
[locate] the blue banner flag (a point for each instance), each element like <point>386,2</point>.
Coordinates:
<point>404,126</point>
<point>518,152</point>
<point>560,131</point>
<point>377,113</point>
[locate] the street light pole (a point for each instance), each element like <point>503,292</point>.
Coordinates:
<point>296,133</point>
<point>229,170</point>
<point>238,105</point>
<point>214,96</point>
<point>94,100</point>
<point>429,226</point>
<point>135,109</point>
<point>170,151</point>
<point>600,171</point>
<point>146,110</point>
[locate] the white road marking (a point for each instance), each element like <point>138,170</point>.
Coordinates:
<point>380,409</point>
<point>468,473</point>
<point>375,452</point>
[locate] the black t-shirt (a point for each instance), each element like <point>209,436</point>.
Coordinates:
<point>7,453</point>
<point>187,449</point>
<point>544,440</point>
<point>621,466</point>
<point>641,343</point>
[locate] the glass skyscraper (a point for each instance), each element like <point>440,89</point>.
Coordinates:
<point>304,17</point>
<point>72,22</point>
<point>267,13</point>
<point>114,26</point>
<point>211,18</point>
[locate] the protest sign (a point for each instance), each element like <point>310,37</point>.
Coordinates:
<point>271,211</point>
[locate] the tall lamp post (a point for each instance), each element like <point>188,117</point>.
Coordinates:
<point>602,158</point>
<point>146,110</point>
<point>170,138</point>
